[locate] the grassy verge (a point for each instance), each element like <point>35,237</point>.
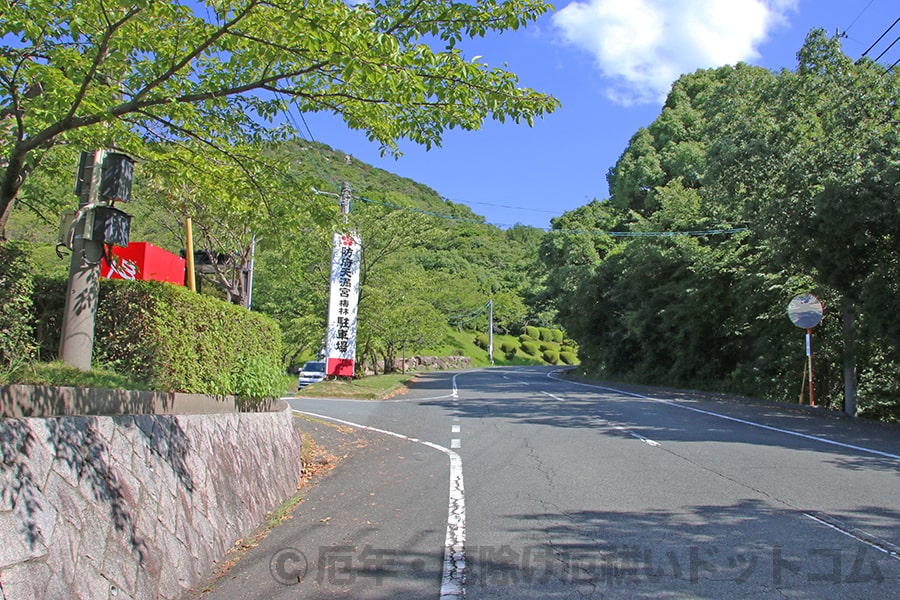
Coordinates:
<point>58,373</point>
<point>375,387</point>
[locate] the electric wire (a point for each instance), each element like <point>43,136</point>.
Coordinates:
<point>469,316</point>
<point>467,202</point>
<point>624,234</point>
<point>844,34</point>
<point>875,43</point>
<point>897,39</point>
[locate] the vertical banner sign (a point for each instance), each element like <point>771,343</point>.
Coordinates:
<point>340,347</point>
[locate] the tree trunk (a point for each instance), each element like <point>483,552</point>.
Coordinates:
<point>4,217</point>
<point>10,183</point>
<point>848,326</point>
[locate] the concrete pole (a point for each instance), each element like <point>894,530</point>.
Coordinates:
<point>344,201</point>
<point>491,330</point>
<point>76,344</point>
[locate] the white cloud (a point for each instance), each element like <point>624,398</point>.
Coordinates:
<point>642,46</point>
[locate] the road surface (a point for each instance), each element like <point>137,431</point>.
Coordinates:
<point>516,483</point>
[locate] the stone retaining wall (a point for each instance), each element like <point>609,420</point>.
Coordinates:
<point>423,363</point>
<point>138,506</point>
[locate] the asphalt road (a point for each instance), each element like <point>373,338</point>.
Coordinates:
<point>515,483</point>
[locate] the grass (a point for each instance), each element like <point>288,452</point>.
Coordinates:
<point>58,373</point>
<point>461,342</point>
<point>375,387</point>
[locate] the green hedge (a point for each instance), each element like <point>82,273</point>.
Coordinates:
<point>49,303</point>
<point>530,348</point>
<point>532,332</point>
<point>182,341</point>
<point>556,335</point>
<point>551,356</point>
<point>17,344</point>
<point>482,340</point>
<point>525,338</point>
<point>545,335</point>
<point>508,346</point>
<point>172,339</point>
<point>569,358</point>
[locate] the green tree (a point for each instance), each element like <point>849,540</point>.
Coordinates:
<point>95,74</point>
<point>397,315</point>
<point>820,156</point>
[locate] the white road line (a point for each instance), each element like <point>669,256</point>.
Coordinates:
<point>880,547</point>
<point>389,400</point>
<point>557,398</point>
<point>647,441</point>
<point>638,436</point>
<point>454,429</point>
<point>734,419</point>
<point>453,575</point>
<point>455,443</point>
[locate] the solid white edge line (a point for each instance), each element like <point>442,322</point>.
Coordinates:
<point>734,419</point>
<point>851,535</point>
<point>453,575</point>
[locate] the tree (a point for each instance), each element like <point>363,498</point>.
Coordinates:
<point>397,315</point>
<point>819,153</point>
<point>122,75</point>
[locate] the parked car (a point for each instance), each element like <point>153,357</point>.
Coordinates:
<point>313,371</point>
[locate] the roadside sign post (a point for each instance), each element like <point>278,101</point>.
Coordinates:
<point>805,311</point>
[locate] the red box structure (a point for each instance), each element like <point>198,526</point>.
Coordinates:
<point>144,261</point>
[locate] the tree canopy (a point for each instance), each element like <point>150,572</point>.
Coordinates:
<point>751,187</point>
<point>126,75</point>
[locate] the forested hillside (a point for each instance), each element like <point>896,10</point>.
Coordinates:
<point>427,262</point>
<point>749,188</point>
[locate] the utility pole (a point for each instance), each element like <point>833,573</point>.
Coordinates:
<point>103,176</point>
<point>344,201</point>
<point>491,330</point>
<point>76,344</point>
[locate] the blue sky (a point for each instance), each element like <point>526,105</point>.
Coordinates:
<point>610,63</point>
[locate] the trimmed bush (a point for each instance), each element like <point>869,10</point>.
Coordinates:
<point>177,340</point>
<point>509,349</point>
<point>530,348</point>
<point>544,334</point>
<point>482,341</point>
<point>525,338</point>
<point>551,356</point>
<point>569,358</point>
<point>508,346</point>
<point>17,344</point>
<point>532,332</point>
<point>566,349</point>
<point>544,346</point>
<point>556,335</point>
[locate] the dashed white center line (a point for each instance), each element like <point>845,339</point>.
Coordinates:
<point>454,429</point>
<point>454,443</point>
<point>453,576</point>
<point>557,398</point>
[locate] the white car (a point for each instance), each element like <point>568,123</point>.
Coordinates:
<point>312,372</point>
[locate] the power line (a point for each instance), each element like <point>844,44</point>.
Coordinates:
<point>636,234</point>
<point>857,19</point>
<point>469,316</point>
<point>624,234</point>
<point>897,39</point>
<point>886,31</point>
<point>467,202</point>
